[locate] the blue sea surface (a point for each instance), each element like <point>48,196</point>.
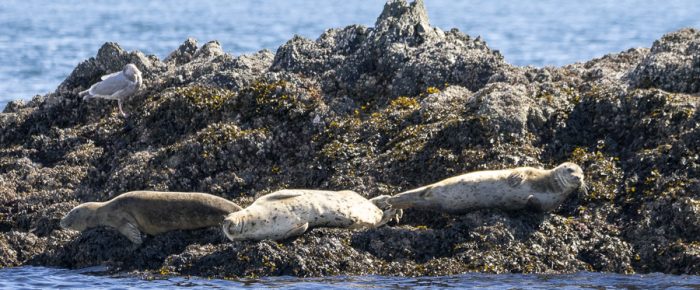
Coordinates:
<point>28,277</point>
<point>41,41</point>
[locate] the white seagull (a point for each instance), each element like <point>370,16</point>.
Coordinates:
<point>116,86</point>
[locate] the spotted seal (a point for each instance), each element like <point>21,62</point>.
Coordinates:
<point>291,212</point>
<point>509,189</point>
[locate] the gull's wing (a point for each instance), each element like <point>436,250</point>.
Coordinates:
<point>104,77</point>
<point>110,84</point>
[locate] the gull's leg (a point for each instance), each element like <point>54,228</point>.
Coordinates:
<point>121,111</point>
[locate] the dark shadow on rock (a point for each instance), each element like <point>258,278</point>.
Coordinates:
<point>424,243</point>
<point>429,218</point>
<point>397,244</point>
<point>221,260</point>
<point>105,246</point>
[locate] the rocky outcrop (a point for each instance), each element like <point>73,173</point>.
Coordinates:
<point>672,65</point>
<point>401,55</point>
<point>376,110</point>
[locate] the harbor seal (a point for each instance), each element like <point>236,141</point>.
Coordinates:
<point>291,212</point>
<point>151,212</point>
<point>509,189</point>
<point>116,86</point>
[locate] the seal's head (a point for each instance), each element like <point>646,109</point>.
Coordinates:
<point>81,217</point>
<point>242,225</point>
<point>247,225</point>
<point>570,176</point>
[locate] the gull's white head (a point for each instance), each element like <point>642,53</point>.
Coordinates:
<point>131,71</point>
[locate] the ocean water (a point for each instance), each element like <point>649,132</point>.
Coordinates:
<point>41,41</point>
<point>91,278</point>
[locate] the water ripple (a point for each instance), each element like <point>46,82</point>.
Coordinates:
<point>40,277</point>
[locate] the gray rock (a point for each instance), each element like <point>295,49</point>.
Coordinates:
<point>446,104</point>
<point>401,55</point>
<point>14,106</point>
<point>506,107</point>
<point>184,53</point>
<point>673,64</point>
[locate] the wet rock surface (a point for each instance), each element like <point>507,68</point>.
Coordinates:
<point>375,110</point>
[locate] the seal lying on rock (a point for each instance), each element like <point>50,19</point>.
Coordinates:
<point>288,213</point>
<point>151,212</point>
<point>116,86</point>
<point>510,189</point>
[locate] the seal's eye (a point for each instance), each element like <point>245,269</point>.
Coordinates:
<point>570,170</point>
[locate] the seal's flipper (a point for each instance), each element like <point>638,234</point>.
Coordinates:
<point>131,232</point>
<point>283,194</point>
<point>296,231</point>
<point>381,202</point>
<point>390,214</point>
<point>515,179</point>
<point>534,204</point>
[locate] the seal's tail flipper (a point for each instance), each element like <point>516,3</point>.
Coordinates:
<point>410,198</point>
<point>381,202</point>
<point>389,215</point>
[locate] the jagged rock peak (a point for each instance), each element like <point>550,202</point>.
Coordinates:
<point>400,18</point>
<point>403,13</point>
<point>210,49</point>
<point>184,53</point>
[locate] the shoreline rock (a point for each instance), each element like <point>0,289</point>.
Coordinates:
<point>375,110</point>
